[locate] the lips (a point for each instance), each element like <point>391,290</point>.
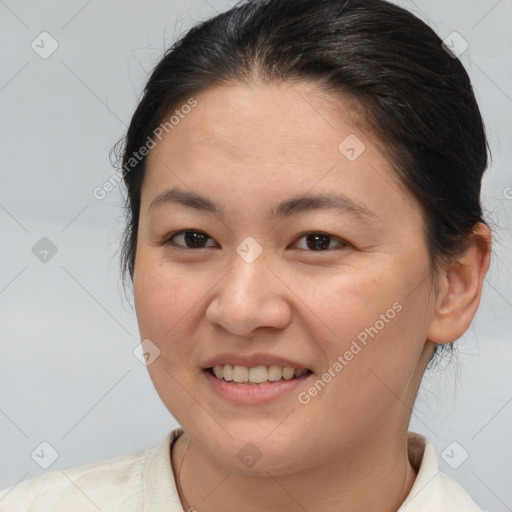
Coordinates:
<point>254,379</point>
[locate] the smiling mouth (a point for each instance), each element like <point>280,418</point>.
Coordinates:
<point>258,375</point>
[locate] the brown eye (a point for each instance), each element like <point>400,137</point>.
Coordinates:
<point>189,239</point>
<point>321,242</point>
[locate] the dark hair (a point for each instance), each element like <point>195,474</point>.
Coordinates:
<point>414,95</point>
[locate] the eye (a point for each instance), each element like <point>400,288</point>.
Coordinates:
<point>318,241</point>
<point>314,241</point>
<point>190,239</point>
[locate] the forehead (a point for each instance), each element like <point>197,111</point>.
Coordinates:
<point>259,120</point>
<point>279,139</point>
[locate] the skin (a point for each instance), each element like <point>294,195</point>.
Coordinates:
<point>247,148</point>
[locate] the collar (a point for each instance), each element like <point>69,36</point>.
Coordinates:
<point>433,490</point>
<point>158,483</point>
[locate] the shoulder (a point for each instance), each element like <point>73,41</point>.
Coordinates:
<point>109,485</point>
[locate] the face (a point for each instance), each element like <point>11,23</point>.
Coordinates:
<point>327,300</point>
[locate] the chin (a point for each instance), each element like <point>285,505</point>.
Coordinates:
<point>253,448</point>
<point>264,461</point>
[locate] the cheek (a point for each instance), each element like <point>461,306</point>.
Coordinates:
<point>348,300</point>
<point>163,297</point>
<point>164,302</point>
<point>374,331</point>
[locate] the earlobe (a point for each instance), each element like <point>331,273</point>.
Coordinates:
<point>461,288</point>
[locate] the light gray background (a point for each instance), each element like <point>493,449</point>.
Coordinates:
<point>68,375</point>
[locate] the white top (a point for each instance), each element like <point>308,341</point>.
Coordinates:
<point>143,481</point>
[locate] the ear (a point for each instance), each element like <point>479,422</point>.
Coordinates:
<point>460,288</point>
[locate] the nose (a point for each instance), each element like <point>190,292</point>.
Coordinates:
<point>248,297</point>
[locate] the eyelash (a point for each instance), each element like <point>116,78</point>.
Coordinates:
<point>342,244</point>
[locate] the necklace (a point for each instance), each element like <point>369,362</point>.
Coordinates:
<point>187,507</point>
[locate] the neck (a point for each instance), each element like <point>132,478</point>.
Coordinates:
<point>371,476</point>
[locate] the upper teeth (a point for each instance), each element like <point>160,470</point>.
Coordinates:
<point>258,374</point>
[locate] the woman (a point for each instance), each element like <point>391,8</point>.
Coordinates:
<point>304,236</point>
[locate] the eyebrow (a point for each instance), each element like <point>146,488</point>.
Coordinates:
<point>286,208</point>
